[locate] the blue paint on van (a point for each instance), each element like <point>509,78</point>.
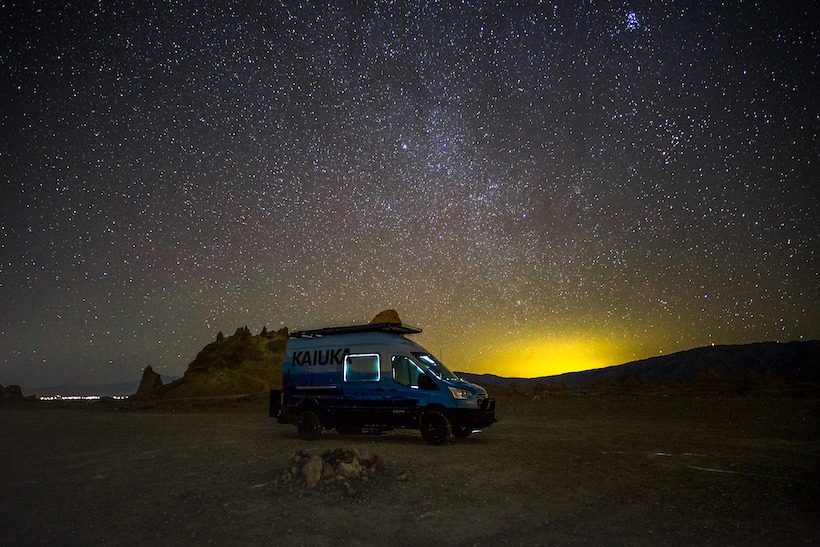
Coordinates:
<point>371,379</point>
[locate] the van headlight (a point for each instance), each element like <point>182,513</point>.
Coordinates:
<point>459,393</point>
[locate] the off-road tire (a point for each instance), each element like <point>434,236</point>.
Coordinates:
<point>308,425</point>
<point>435,428</point>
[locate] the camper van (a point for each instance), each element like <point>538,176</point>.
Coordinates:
<point>372,379</point>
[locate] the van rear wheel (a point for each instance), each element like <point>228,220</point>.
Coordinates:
<point>435,427</point>
<point>308,425</point>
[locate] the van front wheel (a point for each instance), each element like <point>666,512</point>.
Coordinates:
<point>308,425</point>
<point>435,427</point>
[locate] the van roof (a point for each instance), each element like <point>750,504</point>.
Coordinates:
<point>392,328</point>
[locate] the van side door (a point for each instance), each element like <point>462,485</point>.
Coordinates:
<point>411,386</point>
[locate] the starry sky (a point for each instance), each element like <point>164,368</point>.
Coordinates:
<point>541,186</point>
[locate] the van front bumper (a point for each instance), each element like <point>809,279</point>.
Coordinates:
<point>483,416</point>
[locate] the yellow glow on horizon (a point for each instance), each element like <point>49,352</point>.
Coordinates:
<point>531,359</point>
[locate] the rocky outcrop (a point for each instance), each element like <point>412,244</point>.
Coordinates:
<point>241,364</point>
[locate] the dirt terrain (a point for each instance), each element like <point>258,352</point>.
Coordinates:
<point>569,469</point>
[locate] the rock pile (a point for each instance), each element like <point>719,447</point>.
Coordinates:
<point>338,468</point>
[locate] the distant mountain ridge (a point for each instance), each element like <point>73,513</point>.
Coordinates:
<point>773,362</point>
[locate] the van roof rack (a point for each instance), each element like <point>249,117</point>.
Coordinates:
<point>393,328</point>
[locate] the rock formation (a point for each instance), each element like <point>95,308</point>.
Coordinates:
<point>386,316</point>
<point>151,383</point>
<point>242,364</point>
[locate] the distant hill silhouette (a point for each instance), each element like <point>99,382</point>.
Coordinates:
<point>761,364</point>
<point>244,364</point>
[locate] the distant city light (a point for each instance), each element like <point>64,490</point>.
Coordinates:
<point>79,397</point>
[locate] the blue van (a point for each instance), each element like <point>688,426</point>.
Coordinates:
<point>371,379</point>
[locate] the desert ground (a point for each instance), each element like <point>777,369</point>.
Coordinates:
<point>569,469</point>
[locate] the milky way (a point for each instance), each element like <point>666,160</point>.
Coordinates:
<point>540,186</point>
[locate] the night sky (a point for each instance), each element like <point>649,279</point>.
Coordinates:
<point>541,187</point>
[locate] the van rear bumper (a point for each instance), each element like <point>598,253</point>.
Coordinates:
<point>275,409</point>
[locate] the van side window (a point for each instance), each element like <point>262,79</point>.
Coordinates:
<point>407,373</point>
<point>363,367</point>
<point>401,371</point>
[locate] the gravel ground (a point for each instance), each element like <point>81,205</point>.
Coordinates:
<point>585,470</point>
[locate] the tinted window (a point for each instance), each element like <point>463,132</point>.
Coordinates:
<point>408,373</point>
<point>403,372</point>
<point>362,368</point>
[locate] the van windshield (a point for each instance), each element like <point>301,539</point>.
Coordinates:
<point>435,366</point>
